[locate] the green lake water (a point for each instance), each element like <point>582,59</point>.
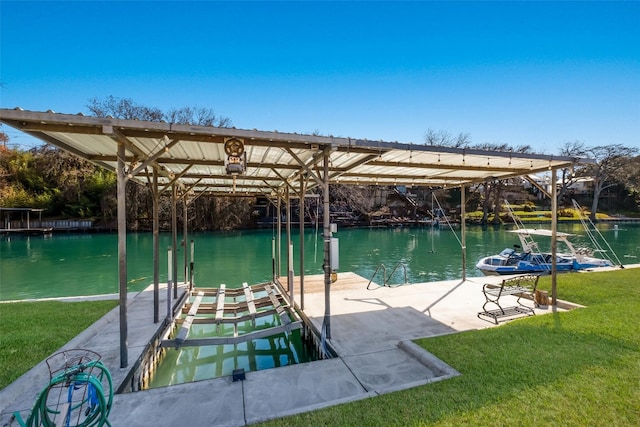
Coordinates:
<point>86,264</point>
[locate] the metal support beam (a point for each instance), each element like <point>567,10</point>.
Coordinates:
<point>538,186</point>
<point>306,167</point>
<point>122,255</point>
<point>301,273</point>
<point>151,159</point>
<point>156,248</point>
<point>554,235</point>
<point>327,249</point>
<point>174,239</point>
<point>170,278</point>
<point>463,228</point>
<point>184,237</point>
<point>279,241</point>
<point>288,230</point>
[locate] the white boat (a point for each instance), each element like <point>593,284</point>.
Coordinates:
<point>526,258</point>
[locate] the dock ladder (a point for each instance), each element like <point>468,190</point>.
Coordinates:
<point>387,278</point>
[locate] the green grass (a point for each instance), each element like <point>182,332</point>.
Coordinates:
<point>577,368</point>
<point>564,214</point>
<point>32,331</point>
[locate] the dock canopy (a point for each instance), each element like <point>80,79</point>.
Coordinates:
<point>231,161</point>
<point>227,161</point>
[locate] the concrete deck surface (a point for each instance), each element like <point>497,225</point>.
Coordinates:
<point>370,329</point>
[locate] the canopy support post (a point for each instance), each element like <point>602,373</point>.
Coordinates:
<point>174,234</point>
<point>122,254</point>
<point>554,236</point>
<point>301,206</point>
<point>279,240</point>
<point>463,231</point>
<point>327,246</point>
<point>287,203</point>
<point>184,237</point>
<point>156,248</point>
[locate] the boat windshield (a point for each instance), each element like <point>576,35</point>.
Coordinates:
<point>507,252</point>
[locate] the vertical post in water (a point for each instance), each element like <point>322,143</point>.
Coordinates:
<point>290,272</point>
<point>463,228</point>
<point>288,230</point>
<point>301,273</point>
<point>327,246</point>
<point>191,265</point>
<point>184,235</point>
<point>279,241</point>
<point>554,236</point>
<point>122,255</point>
<point>273,258</point>
<point>174,233</point>
<point>156,249</point>
<point>169,281</point>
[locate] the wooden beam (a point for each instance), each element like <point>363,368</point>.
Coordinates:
<point>248,294</point>
<point>262,333</point>
<point>186,324</point>
<point>228,319</point>
<point>282,313</point>
<point>220,302</point>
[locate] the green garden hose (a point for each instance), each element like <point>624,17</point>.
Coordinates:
<point>91,409</point>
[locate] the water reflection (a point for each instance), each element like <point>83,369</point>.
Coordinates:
<point>86,264</point>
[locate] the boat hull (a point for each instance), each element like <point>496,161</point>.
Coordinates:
<point>498,265</point>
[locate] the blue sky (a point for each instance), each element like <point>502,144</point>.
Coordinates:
<point>537,73</point>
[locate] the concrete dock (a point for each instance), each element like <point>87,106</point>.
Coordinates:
<point>371,331</point>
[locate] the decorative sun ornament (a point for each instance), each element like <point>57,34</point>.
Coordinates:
<point>235,162</point>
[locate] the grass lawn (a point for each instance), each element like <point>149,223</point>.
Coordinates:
<point>538,216</point>
<point>31,331</point>
<point>578,368</point>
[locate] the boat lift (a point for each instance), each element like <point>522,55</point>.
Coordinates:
<point>211,306</point>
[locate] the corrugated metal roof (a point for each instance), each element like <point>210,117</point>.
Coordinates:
<point>196,155</point>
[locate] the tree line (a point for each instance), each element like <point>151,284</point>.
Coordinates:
<point>67,186</point>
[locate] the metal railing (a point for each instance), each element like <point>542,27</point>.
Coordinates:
<point>387,278</point>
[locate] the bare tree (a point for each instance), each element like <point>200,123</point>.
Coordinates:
<point>445,139</point>
<point>127,109</point>
<point>4,138</point>
<point>197,116</point>
<point>568,176</point>
<point>611,162</point>
<point>123,108</point>
<point>359,198</point>
<point>492,188</point>
<point>630,174</point>
<point>209,212</point>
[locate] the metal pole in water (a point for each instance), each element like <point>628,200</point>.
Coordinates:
<point>169,277</point>
<point>184,235</point>
<point>273,258</point>
<point>288,229</point>
<point>174,233</point>
<point>279,242</point>
<point>290,272</point>
<point>191,266</point>
<point>156,249</point>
